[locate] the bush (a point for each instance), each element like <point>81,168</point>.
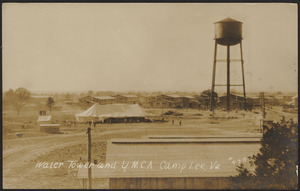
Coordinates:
<point>275,165</point>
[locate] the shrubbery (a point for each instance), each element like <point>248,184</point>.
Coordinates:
<point>275,165</point>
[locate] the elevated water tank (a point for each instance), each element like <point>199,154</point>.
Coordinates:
<point>228,32</point>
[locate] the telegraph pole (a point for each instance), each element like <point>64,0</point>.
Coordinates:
<point>263,105</point>
<point>264,109</point>
<point>89,157</point>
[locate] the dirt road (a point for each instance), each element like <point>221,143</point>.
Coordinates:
<point>19,154</point>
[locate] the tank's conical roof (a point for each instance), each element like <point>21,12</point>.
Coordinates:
<point>228,20</point>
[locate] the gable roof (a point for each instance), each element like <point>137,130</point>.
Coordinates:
<point>183,153</point>
<point>128,95</point>
<point>174,96</point>
<point>104,97</point>
<point>161,100</point>
<point>171,95</point>
<point>86,97</point>
<point>190,97</point>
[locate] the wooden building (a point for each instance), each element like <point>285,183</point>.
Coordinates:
<point>173,162</point>
<point>235,101</point>
<point>161,104</point>
<point>177,100</point>
<point>146,101</point>
<point>194,104</point>
<point>187,101</point>
<point>173,97</point>
<point>295,101</point>
<point>104,100</point>
<point>86,99</point>
<point>254,101</point>
<point>39,99</point>
<point>172,101</point>
<point>273,101</point>
<point>129,99</point>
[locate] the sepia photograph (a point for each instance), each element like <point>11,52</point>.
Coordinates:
<point>150,96</point>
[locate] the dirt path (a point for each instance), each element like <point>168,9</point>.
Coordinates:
<point>17,172</point>
<point>16,159</point>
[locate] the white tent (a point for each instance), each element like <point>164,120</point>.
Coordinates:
<point>101,112</point>
<point>45,118</point>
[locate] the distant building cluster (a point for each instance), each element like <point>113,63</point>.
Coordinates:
<point>288,101</point>
<point>172,101</point>
<point>160,101</point>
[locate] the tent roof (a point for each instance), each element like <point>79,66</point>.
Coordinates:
<point>113,110</point>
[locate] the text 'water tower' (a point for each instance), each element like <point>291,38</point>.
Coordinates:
<point>228,32</point>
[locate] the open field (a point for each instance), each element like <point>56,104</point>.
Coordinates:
<point>21,154</point>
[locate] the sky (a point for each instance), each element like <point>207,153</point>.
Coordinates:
<point>65,47</point>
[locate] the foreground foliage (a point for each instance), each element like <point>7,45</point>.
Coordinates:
<point>275,165</point>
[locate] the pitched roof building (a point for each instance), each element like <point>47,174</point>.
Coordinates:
<point>173,163</point>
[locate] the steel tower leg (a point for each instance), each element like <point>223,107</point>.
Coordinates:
<point>244,88</point>
<point>228,77</point>
<point>213,78</point>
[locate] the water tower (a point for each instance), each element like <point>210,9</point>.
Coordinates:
<point>228,32</point>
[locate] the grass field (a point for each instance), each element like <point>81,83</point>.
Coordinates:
<point>21,154</point>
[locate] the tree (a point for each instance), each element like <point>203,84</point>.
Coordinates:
<point>50,103</point>
<point>275,165</point>
<point>90,93</point>
<point>17,99</point>
<point>205,98</point>
<point>8,96</point>
<point>68,97</point>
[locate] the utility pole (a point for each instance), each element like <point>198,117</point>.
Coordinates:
<point>146,100</point>
<point>89,157</point>
<point>264,109</point>
<point>243,75</point>
<point>263,104</point>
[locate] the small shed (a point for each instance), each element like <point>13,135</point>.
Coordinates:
<point>49,128</point>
